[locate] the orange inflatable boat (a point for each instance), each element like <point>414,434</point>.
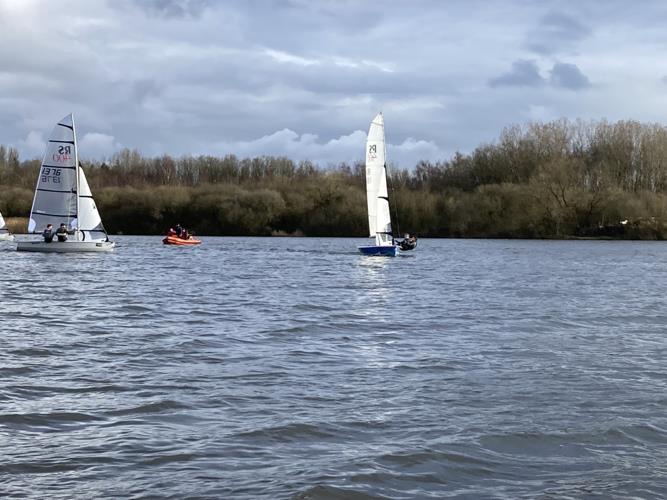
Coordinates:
<point>175,240</point>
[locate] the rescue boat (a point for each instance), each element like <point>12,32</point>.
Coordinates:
<point>175,240</point>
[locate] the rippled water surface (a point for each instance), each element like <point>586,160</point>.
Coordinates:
<point>296,368</point>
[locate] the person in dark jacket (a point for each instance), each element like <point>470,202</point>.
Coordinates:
<point>409,242</point>
<point>48,233</point>
<point>62,232</point>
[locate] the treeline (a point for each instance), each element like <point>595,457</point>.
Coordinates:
<point>542,180</point>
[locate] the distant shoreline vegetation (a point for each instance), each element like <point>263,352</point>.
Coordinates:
<point>561,179</point>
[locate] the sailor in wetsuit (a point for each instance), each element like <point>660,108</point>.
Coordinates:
<point>48,233</point>
<point>408,243</point>
<point>62,232</point>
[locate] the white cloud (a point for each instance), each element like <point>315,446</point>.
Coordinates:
<point>34,143</point>
<point>286,142</point>
<point>540,113</point>
<point>346,148</point>
<point>411,151</point>
<point>96,145</point>
<point>284,57</point>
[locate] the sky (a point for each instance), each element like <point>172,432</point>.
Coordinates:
<point>304,78</point>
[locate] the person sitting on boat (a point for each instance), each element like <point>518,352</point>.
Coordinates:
<point>184,234</point>
<point>409,242</point>
<point>179,229</point>
<point>48,233</point>
<point>62,232</point>
<point>171,232</point>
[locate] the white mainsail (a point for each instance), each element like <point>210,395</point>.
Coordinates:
<point>55,195</point>
<point>62,194</point>
<point>379,218</point>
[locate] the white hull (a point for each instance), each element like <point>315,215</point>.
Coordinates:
<point>6,237</point>
<point>65,247</point>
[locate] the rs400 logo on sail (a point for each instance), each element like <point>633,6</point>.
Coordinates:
<point>63,155</point>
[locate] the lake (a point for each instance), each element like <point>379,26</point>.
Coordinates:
<point>297,368</point>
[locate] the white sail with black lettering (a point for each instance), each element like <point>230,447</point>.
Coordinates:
<point>55,200</point>
<point>379,218</point>
<point>375,158</point>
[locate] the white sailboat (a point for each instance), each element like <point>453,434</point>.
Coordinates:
<point>62,196</point>
<point>5,235</point>
<point>379,217</point>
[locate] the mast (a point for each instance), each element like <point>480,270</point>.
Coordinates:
<point>76,164</point>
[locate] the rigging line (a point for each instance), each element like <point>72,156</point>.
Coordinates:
<point>393,195</point>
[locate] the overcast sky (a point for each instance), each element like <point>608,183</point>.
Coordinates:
<point>304,78</point>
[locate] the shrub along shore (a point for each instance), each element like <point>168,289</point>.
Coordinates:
<point>560,179</point>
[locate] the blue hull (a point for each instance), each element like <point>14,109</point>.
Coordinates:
<point>386,251</point>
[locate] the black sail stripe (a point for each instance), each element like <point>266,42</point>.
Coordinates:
<point>66,126</point>
<point>65,142</point>
<point>44,214</point>
<point>55,191</point>
<point>57,166</point>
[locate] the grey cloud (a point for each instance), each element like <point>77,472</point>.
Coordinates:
<point>556,32</point>
<point>168,9</point>
<point>568,76</point>
<point>182,76</point>
<point>145,88</point>
<point>524,73</point>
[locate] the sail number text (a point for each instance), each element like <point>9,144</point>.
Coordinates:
<point>50,174</point>
<point>63,155</point>
<point>372,152</point>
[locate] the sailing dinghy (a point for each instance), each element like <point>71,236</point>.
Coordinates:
<point>5,235</point>
<point>379,217</point>
<point>62,196</point>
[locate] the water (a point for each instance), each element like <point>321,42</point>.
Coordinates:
<point>296,368</point>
